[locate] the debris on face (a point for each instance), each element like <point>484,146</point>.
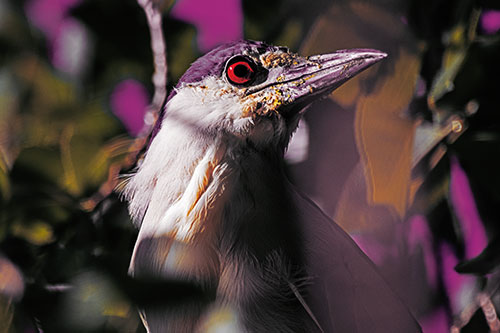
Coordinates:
<point>262,104</point>
<point>249,109</point>
<point>309,77</point>
<point>265,102</point>
<point>275,59</point>
<point>223,91</point>
<point>303,80</point>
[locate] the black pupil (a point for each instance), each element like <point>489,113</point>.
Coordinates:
<point>241,71</point>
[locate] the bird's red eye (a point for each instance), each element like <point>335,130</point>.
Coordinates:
<point>240,72</point>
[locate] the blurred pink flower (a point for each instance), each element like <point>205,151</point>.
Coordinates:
<point>490,21</point>
<point>465,207</point>
<point>71,47</point>
<point>48,15</point>
<point>11,280</point>
<point>456,285</point>
<point>217,21</point>
<point>68,41</point>
<point>460,287</point>
<point>129,102</point>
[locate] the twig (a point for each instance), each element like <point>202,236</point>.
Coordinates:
<point>483,301</point>
<point>159,48</point>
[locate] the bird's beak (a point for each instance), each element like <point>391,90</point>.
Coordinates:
<point>321,74</point>
<point>305,79</point>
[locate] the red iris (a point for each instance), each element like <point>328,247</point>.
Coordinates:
<point>240,72</point>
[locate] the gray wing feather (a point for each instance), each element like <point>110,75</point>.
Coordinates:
<point>346,294</point>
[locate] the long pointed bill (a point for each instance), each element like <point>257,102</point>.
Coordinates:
<point>326,72</point>
<point>314,76</point>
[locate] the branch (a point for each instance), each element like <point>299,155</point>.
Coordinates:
<point>159,48</point>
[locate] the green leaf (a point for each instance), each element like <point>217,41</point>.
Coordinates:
<point>37,232</point>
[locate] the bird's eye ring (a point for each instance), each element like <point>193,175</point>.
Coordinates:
<point>240,71</point>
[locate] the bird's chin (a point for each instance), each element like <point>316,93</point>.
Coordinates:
<point>296,109</point>
<point>293,111</point>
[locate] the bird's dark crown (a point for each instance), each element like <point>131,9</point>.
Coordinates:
<point>214,61</point>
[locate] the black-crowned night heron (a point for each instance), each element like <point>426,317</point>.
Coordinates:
<point>215,208</point>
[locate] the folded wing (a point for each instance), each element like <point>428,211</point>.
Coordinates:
<point>346,293</point>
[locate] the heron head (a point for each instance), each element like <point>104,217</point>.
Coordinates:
<point>257,92</point>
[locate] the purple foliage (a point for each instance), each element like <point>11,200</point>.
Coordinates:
<point>465,207</point>
<point>129,102</point>
<point>48,15</point>
<point>217,21</point>
<point>455,284</point>
<point>435,322</point>
<point>66,37</point>
<point>490,21</point>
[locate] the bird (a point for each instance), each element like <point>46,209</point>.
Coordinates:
<point>215,209</point>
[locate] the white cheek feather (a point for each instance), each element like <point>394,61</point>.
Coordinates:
<point>211,104</point>
<point>214,104</point>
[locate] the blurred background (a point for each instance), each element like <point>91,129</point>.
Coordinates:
<point>405,157</point>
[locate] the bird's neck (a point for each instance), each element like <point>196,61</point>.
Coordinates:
<point>258,211</point>
<point>189,175</point>
<point>259,245</point>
